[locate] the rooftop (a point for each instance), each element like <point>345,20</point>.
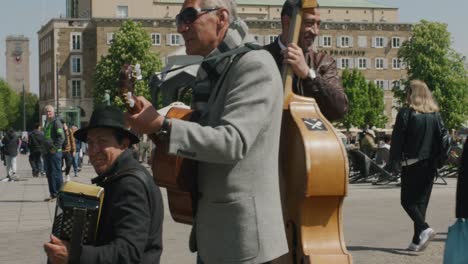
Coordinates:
<point>322,3</point>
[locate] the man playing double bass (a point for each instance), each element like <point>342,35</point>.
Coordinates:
<point>316,74</point>
<point>235,141</point>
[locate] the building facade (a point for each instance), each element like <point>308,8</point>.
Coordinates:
<point>363,35</point>
<point>17,63</point>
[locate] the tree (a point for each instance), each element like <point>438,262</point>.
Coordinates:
<point>31,111</point>
<point>375,115</point>
<point>431,59</point>
<point>10,105</point>
<point>356,90</point>
<point>131,44</point>
<point>366,104</point>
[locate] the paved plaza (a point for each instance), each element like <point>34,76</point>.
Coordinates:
<point>376,229</point>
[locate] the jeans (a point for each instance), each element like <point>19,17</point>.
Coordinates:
<point>54,172</point>
<point>416,187</point>
<point>10,165</point>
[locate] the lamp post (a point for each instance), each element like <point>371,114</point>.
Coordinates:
<point>57,110</point>
<point>24,109</point>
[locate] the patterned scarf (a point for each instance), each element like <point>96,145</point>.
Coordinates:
<point>211,70</point>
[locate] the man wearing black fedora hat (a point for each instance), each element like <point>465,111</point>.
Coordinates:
<point>130,226</point>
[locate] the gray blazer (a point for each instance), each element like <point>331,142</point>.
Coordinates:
<point>239,218</point>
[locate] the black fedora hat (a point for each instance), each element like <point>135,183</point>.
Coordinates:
<point>106,117</point>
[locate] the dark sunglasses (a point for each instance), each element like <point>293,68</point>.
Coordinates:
<point>190,14</point>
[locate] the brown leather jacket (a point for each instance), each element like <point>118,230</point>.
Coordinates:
<point>326,88</point>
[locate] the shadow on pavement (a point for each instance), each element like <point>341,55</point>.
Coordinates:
<point>22,201</point>
<point>396,251</point>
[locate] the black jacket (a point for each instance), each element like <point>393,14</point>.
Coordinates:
<point>11,143</point>
<point>413,135</point>
<point>36,142</point>
<point>462,185</point>
<point>130,227</point>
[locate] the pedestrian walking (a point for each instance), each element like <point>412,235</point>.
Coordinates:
<point>11,145</point>
<point>77,157</point>
<point>412,147</point>
<point>36,145</point>
<point>68,150</point>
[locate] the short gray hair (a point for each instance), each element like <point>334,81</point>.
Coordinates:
<point>230,5</point>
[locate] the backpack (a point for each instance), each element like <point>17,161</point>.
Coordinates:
<point>443,143</point>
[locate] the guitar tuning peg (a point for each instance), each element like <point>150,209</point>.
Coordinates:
<point>138,71</point>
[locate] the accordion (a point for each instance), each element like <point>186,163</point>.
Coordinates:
<point>77,214</point>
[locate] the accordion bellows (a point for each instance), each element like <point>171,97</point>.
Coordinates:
<point>77,212</point>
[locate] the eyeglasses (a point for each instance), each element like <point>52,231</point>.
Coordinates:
<point>190,14</point>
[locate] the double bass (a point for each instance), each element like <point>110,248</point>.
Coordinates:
<point>314,173</point>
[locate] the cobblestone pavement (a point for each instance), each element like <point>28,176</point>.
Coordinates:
<point>376,229</point>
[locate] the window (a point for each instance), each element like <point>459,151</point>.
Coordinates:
<point>396,84</point>
<point>380,63</point>
<point>110,38</point>
<point>155,39</point>
<point>396,42</point>
<point>345,63</point>
<point>362,63</point>
<point>396,63</point>
<point>270,39</point>
<point>344,41</point>
<point>379,83</point>
<point>379,42</point>
<point>75,65</point>
<point>325,41</point>
<point>122,11</point>
<point>75,41</point>
<point>76,88</point>
<point>174,40</point>
<point>362,41</point>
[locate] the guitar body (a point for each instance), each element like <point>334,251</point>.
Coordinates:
<point>176,174</point>
<point>314,184</point>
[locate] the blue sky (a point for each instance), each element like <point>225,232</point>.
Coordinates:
<point>25,17</point>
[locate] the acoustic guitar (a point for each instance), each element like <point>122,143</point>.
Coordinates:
<point>314,172</point>
<point>176,174</point>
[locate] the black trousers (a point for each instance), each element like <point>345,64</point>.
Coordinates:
<point>36,163</point>
<point>416,187</point>
<point>68,159</point>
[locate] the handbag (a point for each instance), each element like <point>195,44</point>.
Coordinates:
<point>443,144</point>
<point>457,243</point>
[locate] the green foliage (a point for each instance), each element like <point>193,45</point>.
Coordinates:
<point>375,116</point>
<point>356,90</point>
<point>31,111</point>
<point>131,44</point>
<point>9,106</point>
<point>431,59</point>
<point>366,105</point>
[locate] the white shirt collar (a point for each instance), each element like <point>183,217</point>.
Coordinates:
<point>282,46</point>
